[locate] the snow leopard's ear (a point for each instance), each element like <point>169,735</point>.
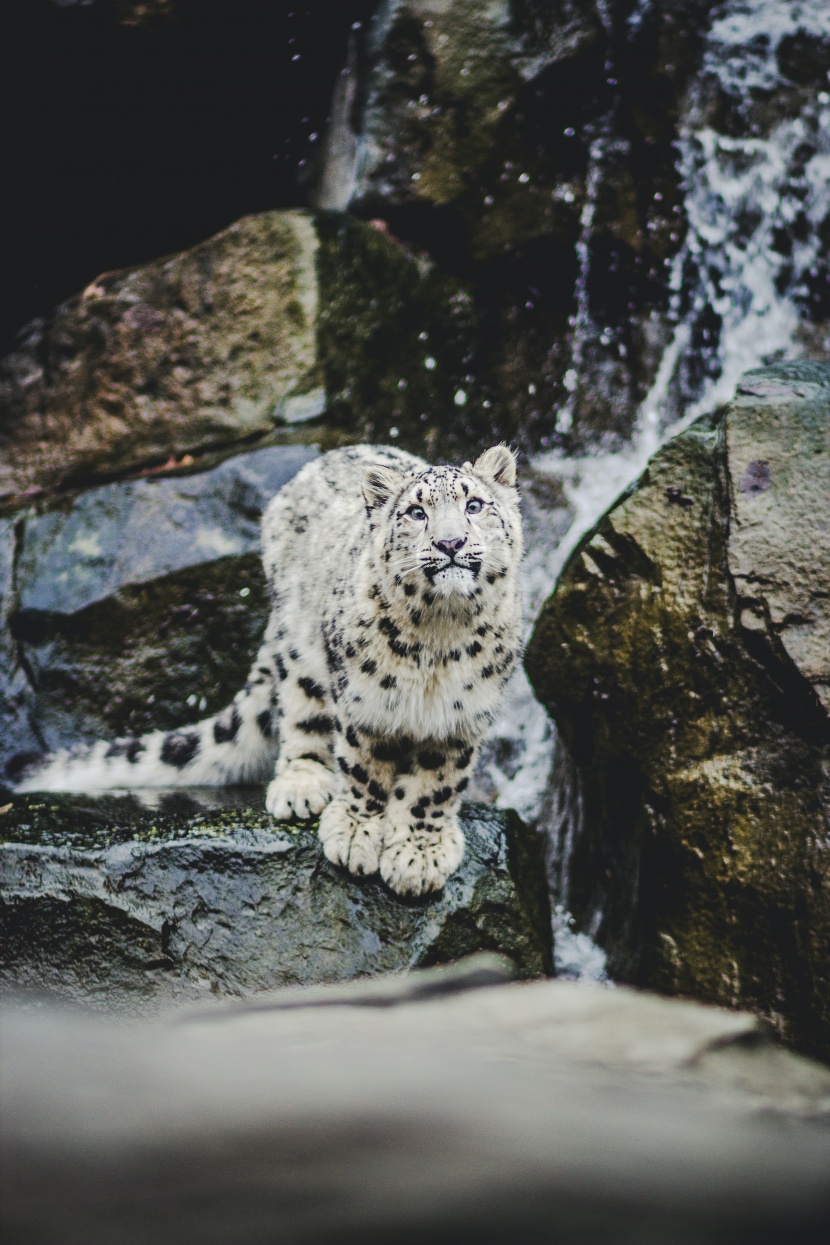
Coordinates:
<point>497,464</point>
<point>379,484</point>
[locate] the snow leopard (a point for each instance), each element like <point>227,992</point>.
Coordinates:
<point>394,625</point>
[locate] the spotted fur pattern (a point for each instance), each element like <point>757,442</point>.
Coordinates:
<point>395,624</point>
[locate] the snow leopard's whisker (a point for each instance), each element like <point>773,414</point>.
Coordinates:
<point>404,568</point>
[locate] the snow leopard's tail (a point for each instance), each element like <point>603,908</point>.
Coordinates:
<point>237,745</point>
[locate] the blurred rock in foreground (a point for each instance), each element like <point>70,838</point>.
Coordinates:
<point>685,656</point>
<point>140,902</point>
<point>536,1112</point>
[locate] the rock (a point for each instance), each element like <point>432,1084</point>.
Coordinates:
<point>485,1115</point>
<point>400,345</point>
<point>134,605</point>
<point>274,322</point>
<point>779,539</point>
<point>530,149</point>
<point>195,350</point>
<point>685,657</point>
<point>136,903</point>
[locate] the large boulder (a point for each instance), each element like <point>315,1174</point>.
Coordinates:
<point>685,658</point>
<point>137,903</point>
<point>194,350</point>
<point>410,1110</point>
<point>273,322</point>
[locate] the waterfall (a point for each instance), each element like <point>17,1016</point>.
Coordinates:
<point>754,159</point>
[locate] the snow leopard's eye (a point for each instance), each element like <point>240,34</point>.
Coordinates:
<point>417,512</point>
<point>475,505</point>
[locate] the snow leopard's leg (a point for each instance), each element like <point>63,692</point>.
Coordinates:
<point>352,828</point>
<point>304,777</point>
<point>423,842</point>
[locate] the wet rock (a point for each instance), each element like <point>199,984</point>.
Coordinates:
<point>684,656</point>
<point>136,903</point>
<point>400,346</point>
<point>134,605</point>
<point>419,1109</point>
<point>276,321</point>
<point>529,148</point>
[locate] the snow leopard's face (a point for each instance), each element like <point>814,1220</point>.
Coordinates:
<point>452,533</point>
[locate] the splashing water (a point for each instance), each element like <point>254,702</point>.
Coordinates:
<point>755,202</point>
<point>755,206</point>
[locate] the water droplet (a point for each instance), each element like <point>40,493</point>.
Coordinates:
<point>423,336</point>
<point>429,363</point>
<point>570,379</point>
<point>524,177</point>
<point>569,132</point>
<point>460,398</point>
<point>394,432</point>
<point>244,592</point>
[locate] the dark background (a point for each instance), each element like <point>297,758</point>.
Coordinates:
<point>123,142</point>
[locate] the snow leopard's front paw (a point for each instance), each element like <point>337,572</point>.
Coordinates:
<point>351,841</point>
<point>414,862</point>
<point>302,790</point>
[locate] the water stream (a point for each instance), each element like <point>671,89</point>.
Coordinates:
<point>747,286</point>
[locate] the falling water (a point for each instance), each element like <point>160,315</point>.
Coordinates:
<point>757,199</point>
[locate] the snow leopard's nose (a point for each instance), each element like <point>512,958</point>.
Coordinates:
<point>451,547</point>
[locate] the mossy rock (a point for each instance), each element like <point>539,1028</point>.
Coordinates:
<point>134,903</point>
<point>292,325</point>
<point>481,135</point>
<point>684,656</point>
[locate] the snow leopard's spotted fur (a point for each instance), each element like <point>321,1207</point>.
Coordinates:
<point>395,624</point>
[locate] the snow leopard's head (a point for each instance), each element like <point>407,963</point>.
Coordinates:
<point>451,533</point>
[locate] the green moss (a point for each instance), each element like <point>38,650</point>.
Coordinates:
<point>395,338</point>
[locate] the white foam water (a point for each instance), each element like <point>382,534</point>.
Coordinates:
<point>742,195</point>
